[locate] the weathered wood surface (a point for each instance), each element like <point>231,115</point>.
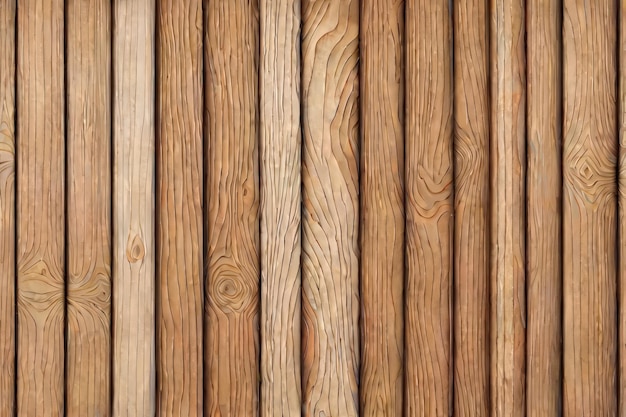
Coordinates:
<point>621,107</point>
<point>429,208</point>
<point>7,207</point>
<point>330,209</point>
<point>543,220</point>
<point>88,344</point>
<point>280,151</point>
<point>40,208</point>
<point>134,368</point>
<point>382,208</point>
<point>589,208</point>
<point>232,195</point>
<point>179,198</point>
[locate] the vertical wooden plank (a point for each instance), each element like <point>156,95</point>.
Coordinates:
<point>543,192</point>
<point>621,106</point>
<point>330,210</point>
<point>508,164</point>
<point>232,286</point>
<point>471,205</point>
<point>429,208</point>
<point>382,207</point>
<point>88,208</point>
<point>280,145</point>
<point>40,221</point>
<point>179,226</point>
<point>7,207</point>
<point>589,208</point>
<point>133,209</point>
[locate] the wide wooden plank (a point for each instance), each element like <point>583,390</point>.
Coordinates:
<point>40,221</point>
<point>471,209</point>
<point>280,149</point>
<point>508,146</point>
<point>134,366</point>
<point>179,196</point>
<point>429,208</point>
<point>88,249</point>
<point>232,282</point>
<point>382,208</point>
<point>543,193</point>
<point>330,209</point>
<point>7,207</point>
<point>621,107</point>
<point>589,208</point>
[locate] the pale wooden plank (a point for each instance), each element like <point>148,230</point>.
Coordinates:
<point>330,210</point>
<point>382,207</point>
<point>232,282</point>
<point>88,208</point>
<point>179,196</point>
<point>589,208</point>
<point>621,107</point>
<point>280,149</point>
<point>134,366</point>
<point>40,209</point>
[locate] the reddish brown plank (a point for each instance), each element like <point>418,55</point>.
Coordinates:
<point>621,106</point>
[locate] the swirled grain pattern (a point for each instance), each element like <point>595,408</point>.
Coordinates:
<point>330,210</point>
<point>589,208</point>
<point>471,201</point>
<point>621,106</point>
<point>232,282</point>
<point>280,144</point>
<point>88,208</point>
<point>382,208</point>
<point>40,209</point>
<point>134,366</point>
<point>179,196</point>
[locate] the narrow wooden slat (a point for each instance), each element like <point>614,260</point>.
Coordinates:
<point>508,164</point>
<point>543,192</point>
<point>179,196</point>
<point>382,207</point>
<point>429,208</point>
<point>471,201</point>
<point>330,209</point>
<point>232,282</point>
<point>621,106</point>
<point>589,208</point>
<point>279,146</point>
<point>88,208</point>
<point>40,209</point>
<point>133,209</point>
<point>7,207</point>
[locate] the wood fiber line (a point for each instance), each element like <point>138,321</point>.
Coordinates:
<point>40,209</point>
<point>543,193</point>
<point>471,206</point>
<point>280,144</point>
<point>133,209</point>
<point>508,164</point>
<point>179,195</point>
<point>382,208</point>
<point>621,106</point>
<point>232,282</point>
<point>7,207</point>
<point>88,346</point>
<point>330,210</point>
<point>589,208</point>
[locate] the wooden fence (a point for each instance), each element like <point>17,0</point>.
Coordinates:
<point>319,208</point>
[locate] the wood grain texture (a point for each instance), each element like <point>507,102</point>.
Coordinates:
<point>429,208</point>
<point>382,208</point>
<point>88,346</point>
<point>280,150</point>
<point>232,283</point>
<point>621,107</point>
<point>7,207</point>
<point>40,209</point>
<point>471,201</point>
<point>133,208</point>
<point>589,208</point>
<point>543,208</point>
<point>179,222</point>
<point>330,209</point>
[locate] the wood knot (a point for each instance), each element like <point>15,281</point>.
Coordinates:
<point>230,293</point>
<point>135,249</point>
